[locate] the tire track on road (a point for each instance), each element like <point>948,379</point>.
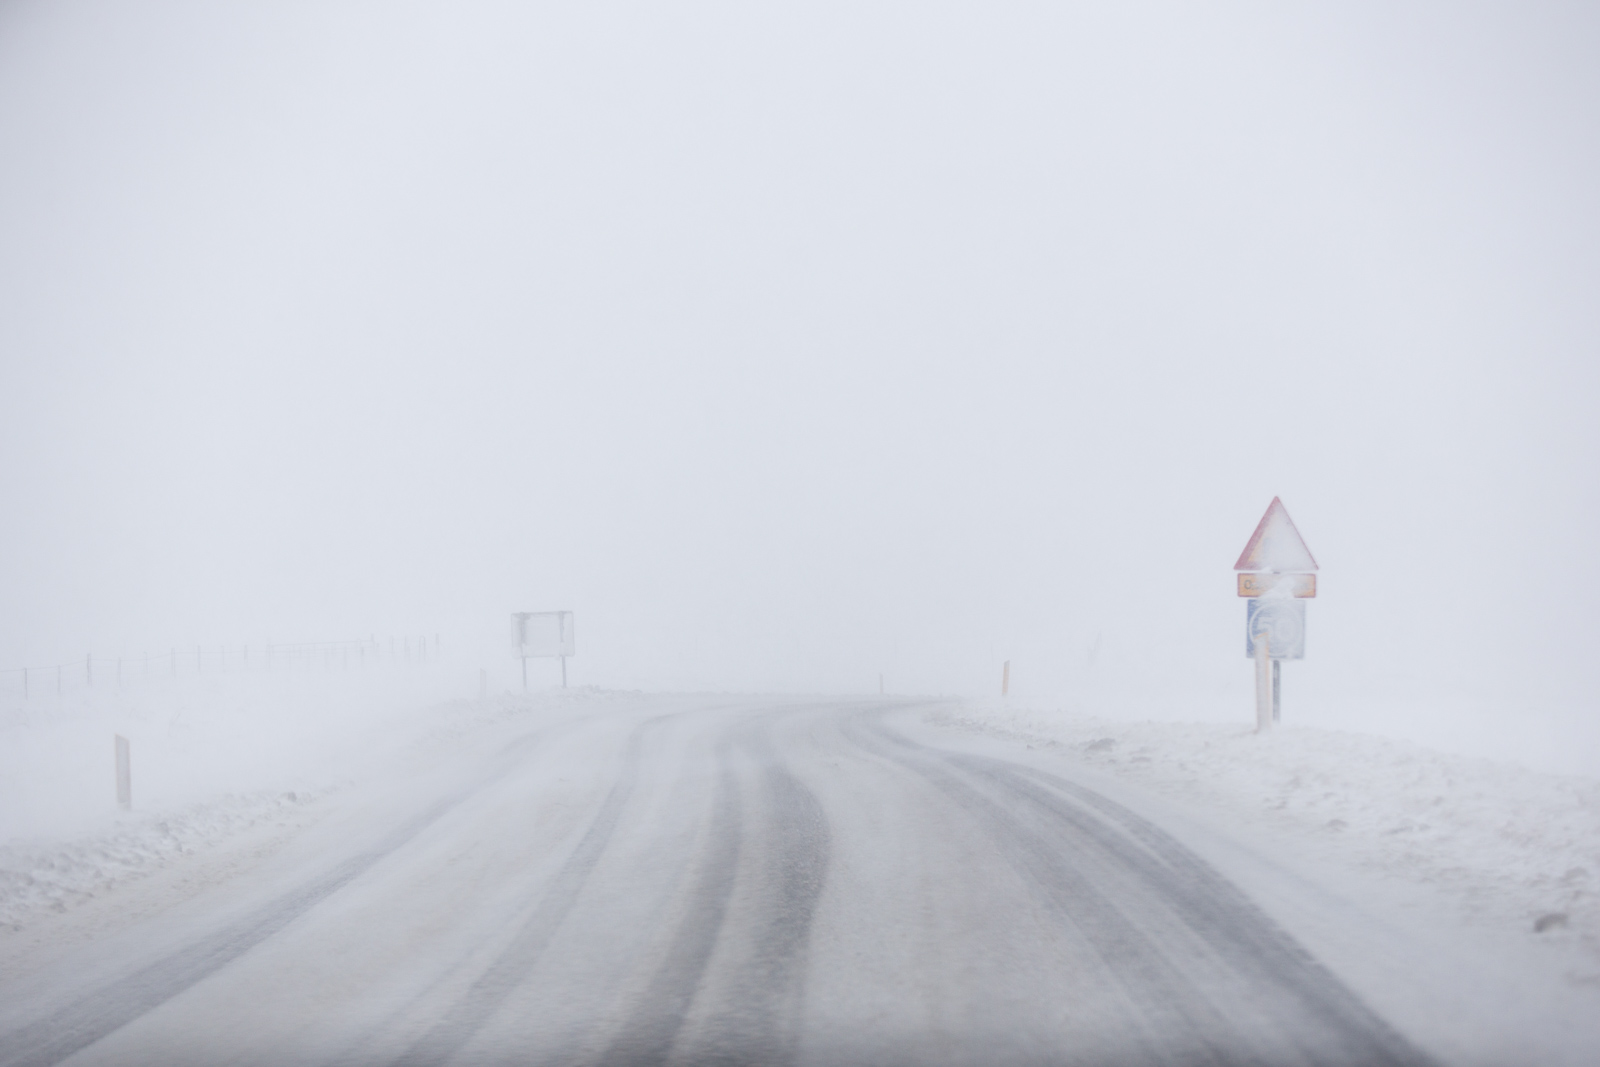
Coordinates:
<point>648,1035</point>
<point>1060,834</point>
<point>514,963</point>
<point>776,851</point>
<point>760,1022</point>
<point>1226,919</point>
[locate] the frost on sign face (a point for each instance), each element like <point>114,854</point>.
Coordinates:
<point>1253,583</point>
<point>1282,621</point>
<point>1276,546</point>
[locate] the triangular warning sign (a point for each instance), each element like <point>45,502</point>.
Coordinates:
<point>1276,545</point>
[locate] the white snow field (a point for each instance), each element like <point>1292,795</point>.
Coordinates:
<point>623,878</point>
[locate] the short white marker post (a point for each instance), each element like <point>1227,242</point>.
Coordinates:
<point>1005,679</point>
<point>124,775</point>
<point>1264,665</point>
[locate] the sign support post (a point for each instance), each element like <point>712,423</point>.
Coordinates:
<point>1277,705</point>
<point>1264,686</point>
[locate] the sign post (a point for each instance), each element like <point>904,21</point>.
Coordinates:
<point>1278,574</point>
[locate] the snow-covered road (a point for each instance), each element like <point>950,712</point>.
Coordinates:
<point>704,881</point>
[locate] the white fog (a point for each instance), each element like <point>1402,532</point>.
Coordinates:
<point>831,363</point>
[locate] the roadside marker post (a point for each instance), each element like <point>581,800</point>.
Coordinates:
<point>124,775</point>
<point>1005,679</point>
<point>1277,575</point>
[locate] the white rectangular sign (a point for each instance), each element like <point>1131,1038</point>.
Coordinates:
<point>543,634</point>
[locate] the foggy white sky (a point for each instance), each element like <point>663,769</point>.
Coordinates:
<point>788,347</point>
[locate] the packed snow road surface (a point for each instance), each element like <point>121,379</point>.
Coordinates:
<point>736,884</point>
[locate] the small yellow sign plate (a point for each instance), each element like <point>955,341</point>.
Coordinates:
<point>1259,584</point>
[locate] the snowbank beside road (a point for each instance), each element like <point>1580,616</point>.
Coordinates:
<point>1511,847</point>
<point>39,876</point>
<point>280,768</point>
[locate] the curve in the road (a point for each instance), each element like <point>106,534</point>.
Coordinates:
<point>1203,975</point>
<point>1074,845</point>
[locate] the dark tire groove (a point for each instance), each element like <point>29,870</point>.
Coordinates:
<point>759,1024</point>
<point>1217,910</point>
<point>486,995</point>
<point>1035,814</point>
<point>651,1029</point>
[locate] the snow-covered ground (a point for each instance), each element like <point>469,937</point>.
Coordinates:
<point>1507,846</point>
<point>40,875</point>
<point>1503,847</point>
<point>1502,859</point>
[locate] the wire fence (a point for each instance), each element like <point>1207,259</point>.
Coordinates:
<point>58,679</point>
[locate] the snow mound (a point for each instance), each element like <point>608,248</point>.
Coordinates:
<point>46,872</point>
<point>47,876</point>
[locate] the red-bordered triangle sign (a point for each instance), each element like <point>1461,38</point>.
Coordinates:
<point>1276,546</point>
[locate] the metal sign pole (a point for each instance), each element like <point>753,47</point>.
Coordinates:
<point>1264,672</point>
<point>524,674</point>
